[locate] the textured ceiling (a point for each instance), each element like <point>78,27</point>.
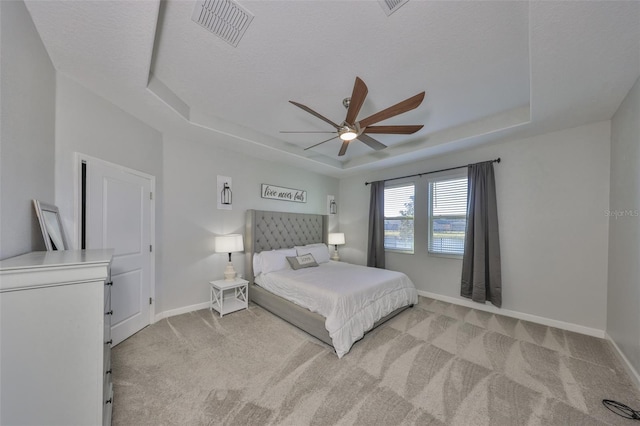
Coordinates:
<point>490,69</point>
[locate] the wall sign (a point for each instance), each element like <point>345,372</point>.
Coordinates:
<point>284,194</point>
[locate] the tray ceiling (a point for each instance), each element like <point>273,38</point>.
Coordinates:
<point>491,70</point>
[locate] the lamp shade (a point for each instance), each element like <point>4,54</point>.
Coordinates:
<point>229,243</point>
<point>336,238</point>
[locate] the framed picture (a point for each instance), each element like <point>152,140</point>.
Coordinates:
<point>51,226</point>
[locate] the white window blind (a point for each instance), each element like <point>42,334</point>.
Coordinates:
<point>398,217</point>
<point>447,215</point>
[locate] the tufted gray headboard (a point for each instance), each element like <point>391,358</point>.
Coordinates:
<point>267,230</point>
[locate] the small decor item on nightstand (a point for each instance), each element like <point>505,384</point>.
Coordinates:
<point>229,296</point>
<point>231,243</point>
<point>336,239</point>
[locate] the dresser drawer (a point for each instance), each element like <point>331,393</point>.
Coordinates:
<point>107,408</point>
<point>107,379</point>
<point>107,295</point>
<point>107,361</point>
<point>108,314</point>
<point>107,383</point>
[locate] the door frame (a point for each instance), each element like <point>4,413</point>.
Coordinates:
<point>80,158</point>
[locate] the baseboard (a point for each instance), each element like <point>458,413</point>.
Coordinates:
<point>625,361</point>
<point>182,310</point>
<point>515,314</point>
<point>463,302</point>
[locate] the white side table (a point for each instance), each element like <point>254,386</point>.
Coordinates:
<point>229,296</point>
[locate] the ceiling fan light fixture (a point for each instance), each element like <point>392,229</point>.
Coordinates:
<point>347,132</point>
<point>352,128</point>
<point>348,135</point>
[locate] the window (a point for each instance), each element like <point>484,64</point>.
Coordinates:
<point>447,215</point>
<point>398,218</point>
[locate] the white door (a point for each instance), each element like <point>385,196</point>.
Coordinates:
<point>118,216</point>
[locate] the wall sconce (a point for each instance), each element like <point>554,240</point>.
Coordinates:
<point>336,239</point>
<point>231,243</point>
<point>333,208</point>
<point>226,194</point>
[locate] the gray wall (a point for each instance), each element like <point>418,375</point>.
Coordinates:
<point>88,124</point>
<point>185,171</point>
<point>623,296</point>
<point>553,191</point>
<point>191,217</point>
<point>27,130</point>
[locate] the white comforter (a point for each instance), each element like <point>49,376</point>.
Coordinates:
<point>351,297</point>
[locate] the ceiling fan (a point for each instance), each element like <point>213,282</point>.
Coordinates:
<point>350,129</point>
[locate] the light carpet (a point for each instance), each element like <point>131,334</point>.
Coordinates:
<point>434,364</point>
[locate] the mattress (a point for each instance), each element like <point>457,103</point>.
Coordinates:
<point>351,297</point>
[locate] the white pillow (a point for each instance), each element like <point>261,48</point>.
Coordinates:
<point>276,260</point>
<point>257,264</point>
<point>299,248</point>
<point>319,251</point>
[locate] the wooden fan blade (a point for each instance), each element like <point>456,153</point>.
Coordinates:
<point>404,106</point>
<point>320,143</point>
<point>393,130</point>
<point>357,99</point>
<point>372,142</point>
<point>312,112</point>
<point>343,148</point>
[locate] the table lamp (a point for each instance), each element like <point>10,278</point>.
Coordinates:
<point>336,239</point>
<point>230,243</point>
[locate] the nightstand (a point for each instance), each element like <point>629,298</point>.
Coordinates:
<point>229,296</point>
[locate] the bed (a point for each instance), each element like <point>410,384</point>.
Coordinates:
<point>267,231</point>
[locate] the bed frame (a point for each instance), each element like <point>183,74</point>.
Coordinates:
<point>267,230</point>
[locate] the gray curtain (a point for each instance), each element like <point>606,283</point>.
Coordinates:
<point>375,247</point>
<point>481,274</point>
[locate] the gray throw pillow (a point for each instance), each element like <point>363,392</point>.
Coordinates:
<point>304,261</point>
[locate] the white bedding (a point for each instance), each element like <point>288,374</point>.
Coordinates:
<point>351,297</point>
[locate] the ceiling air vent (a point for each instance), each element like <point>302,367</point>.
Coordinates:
<point>390,6</point>
<point>225,18</point>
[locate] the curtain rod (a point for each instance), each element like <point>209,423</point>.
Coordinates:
<point>497,160</point>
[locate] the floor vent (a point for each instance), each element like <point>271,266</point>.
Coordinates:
<point>390,6</point>
<point>225,18</point>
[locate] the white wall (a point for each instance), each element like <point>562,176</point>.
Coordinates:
<point>27,115</point>
<point>553,191</point>
<point>89,124</point>
<point>623,297</point>
<point>191,217</point>
<point>186,195</point>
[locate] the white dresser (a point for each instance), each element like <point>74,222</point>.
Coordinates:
<point>55,346</point>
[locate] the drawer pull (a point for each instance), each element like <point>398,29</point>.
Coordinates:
<point>109,401</point>
<point>109,313</point>
<point>108,342</point>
